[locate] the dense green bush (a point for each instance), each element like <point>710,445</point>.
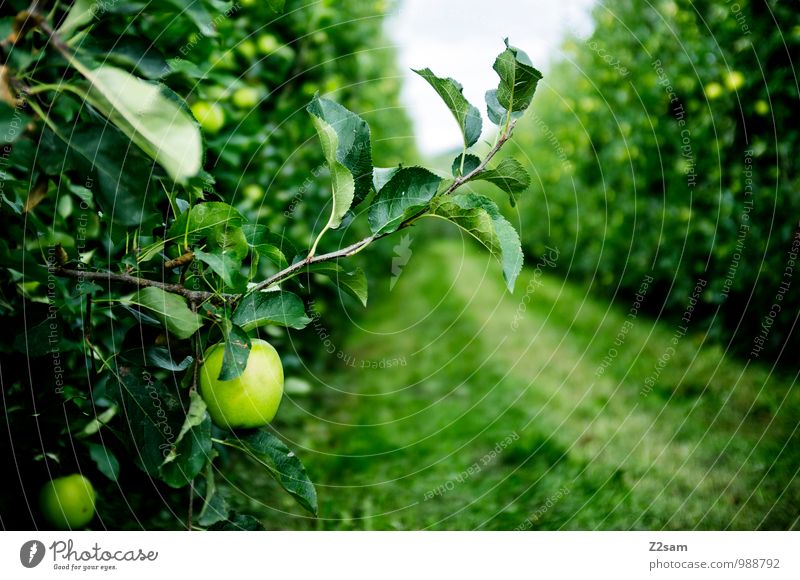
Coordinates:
<point>666,146</point>
<point>257,70</point>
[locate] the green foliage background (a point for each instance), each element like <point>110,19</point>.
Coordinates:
<point>665,145</point>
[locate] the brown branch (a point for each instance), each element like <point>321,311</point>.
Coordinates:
<point>459,181</point>
<point>193,296</point>
<point>183,260</point>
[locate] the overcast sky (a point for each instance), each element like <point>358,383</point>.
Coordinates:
<point>460,39</point>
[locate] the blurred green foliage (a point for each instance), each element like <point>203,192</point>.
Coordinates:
<point>665,145</point>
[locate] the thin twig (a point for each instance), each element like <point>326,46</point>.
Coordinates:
<point>193,296</point>
<point>296,267</point>
<point>191,506</point>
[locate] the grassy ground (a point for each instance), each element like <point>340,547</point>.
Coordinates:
<point>713,445</point>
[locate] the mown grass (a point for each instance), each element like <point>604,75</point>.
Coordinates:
<point>714,444</point>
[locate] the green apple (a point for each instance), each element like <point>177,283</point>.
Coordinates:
<point>734,80</point>
<point>251,399</point>
<point>210,116</point>
<point>68,502</point>
<point>267,43</point>
<point>713,90</point>
<point>224,61</point>
<point>246,98</point>
<point>253,192</point>
<point>247,49</point>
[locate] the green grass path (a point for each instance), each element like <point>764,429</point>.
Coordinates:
<point>713,445</point>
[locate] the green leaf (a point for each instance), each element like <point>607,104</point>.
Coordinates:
<point>518,79</point>
<point>263,308</point>
<point>196,11</point>
<point>470,163</point>
<point>509,175</point>
<point>226,267</point>
<point>408,191</point>
<point>194,418</point>
<point>134,54</point>
<point>479,217</point>
<point>354,282</point>
<point>237,351</point>
<point>156,356</point>
<point>215,508</point>
<point>192,447</point>
<point>271,246</point>
<point>345,142</point>
<point>150,251</point>
<point>122,171</point>
<point>170,310</point>
<point>382,175</point>
<point>191,455</point>
<point>497,114</point>
<point>276,5</point>
<point>78,16</point>
<point>150,116</point>
<point>107,463</point>
<point>216,222</point>
<point>152,416</point>
<point>281,463</point>
<point>451,92</point>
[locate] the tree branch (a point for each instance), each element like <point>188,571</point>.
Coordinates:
<point>196,297</point>
<point>193,296</point>
<point>296,267</point>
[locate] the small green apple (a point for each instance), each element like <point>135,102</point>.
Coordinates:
<point>253,192</point>
<point>246,98</point>
<point>210,116</point>
<point>247,49</point>
<point>713,90</point>
<point>267,43</point>
<point>68,502</point>
<point>251,399</point>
